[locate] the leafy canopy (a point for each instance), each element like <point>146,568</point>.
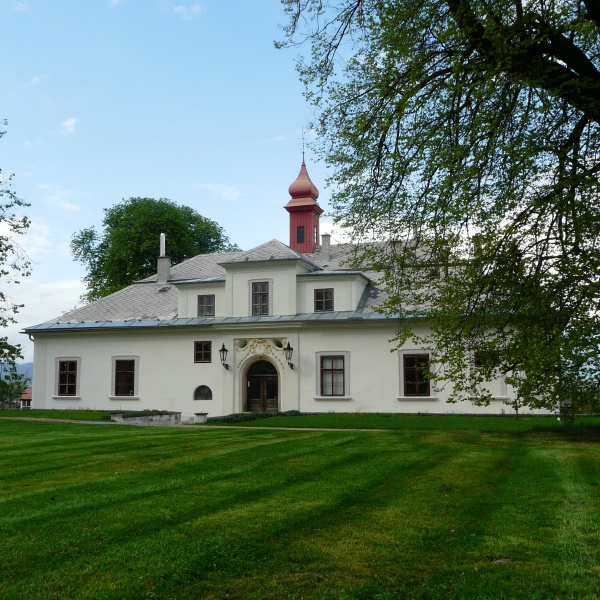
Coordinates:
<point>14,262</point>
<point>127,248</point>
<point>12,383</point>
<point>464,137</point>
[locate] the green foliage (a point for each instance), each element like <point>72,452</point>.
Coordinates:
<point>70,414</point>
<point>129,414</point>
<point>14,264</point>
<point>12,383</point>
<point>464,138</point>
<point>128,246</point>
<point>252,416</point>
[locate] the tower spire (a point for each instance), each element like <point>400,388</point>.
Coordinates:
<point>304,211</point>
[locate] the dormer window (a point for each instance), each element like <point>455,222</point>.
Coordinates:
<point>206,305</point>
<point>260,298</point>
<point>324,300</point>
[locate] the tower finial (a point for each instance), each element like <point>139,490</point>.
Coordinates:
<point>302,145</point>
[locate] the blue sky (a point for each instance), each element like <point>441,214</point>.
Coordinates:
<point>109,99</point>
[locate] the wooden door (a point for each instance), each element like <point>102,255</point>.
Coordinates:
<point>262,393</point>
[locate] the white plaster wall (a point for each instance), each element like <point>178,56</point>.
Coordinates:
<point>374,376</point>
<point>188,298</point>
<point>347,292</point>
<point>168,376</point>
<point>282,279</point>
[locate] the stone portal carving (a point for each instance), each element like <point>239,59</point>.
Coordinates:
<point>271,347</point>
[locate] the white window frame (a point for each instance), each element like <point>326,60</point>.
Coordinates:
<point>136,377</point>
<point>401,354</point>
<point>503,397</point>
<point>269,282</point>
<point>214,304</point>
<point>75,359</point>
<point>324,290</point>
<point>324,353</point>
<point>210,352</point>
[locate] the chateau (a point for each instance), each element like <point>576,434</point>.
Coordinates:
<point>275,328</point>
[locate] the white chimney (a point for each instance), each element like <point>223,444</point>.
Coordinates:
<point>326,246</point>
<point>163,264</point>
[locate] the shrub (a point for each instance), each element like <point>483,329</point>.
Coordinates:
<point>253,416</point>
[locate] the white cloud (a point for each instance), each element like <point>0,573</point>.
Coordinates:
<point>42,297</point>
<point>63,204</point>
<point>115,2</point>
<point>37,241</point>
<point>36,80</point>
<point>21,7</point>
<point>189,12</point>
<point>338,234</point>
<point>68,126</point>
<point>32,144</point>
<point>228,192</point>
<point>58,197</point>
<point>42,302</point>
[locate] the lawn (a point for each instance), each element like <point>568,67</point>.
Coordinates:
<point>66,414</point>
<point>425,422</point>
<point>129,513</point>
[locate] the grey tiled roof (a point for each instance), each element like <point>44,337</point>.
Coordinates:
<point>273,250</point>
<point>148,301</point>
<point>203,266</point>
<point>321,318</point>
<point>138,301</point>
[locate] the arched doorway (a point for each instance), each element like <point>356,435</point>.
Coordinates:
<point>262,387</point>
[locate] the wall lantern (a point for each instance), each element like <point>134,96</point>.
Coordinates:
<point>223,354</point>
<point>288,351</point>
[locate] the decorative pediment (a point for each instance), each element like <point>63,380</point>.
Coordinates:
<point>260,347</point>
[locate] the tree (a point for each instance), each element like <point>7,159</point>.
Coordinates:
<point>14,262</point>
<point>464,137</point>
<point>127,248</point>
<point>12,383</point>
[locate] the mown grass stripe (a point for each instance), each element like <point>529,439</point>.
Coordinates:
<point>142,513</point>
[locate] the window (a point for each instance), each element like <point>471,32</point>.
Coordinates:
<point>202,352</point>
<point>486,358</point>
<point>260,298</point>
<point>332,376</point>
<point>416,367</point>
<point>324,300</point>
<point>300,234</point>
<point>206,305</point>
<point>124,377</point>
<point>67,378</point>
<point>202,392</point>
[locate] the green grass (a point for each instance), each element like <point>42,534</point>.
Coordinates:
<point>424,422</point>
<point>130,513</point>
<point>69,414</point>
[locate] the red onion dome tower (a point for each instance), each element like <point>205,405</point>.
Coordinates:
<point>304,213</point>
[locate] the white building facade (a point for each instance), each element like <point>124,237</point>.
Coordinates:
<point>275,328</point>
